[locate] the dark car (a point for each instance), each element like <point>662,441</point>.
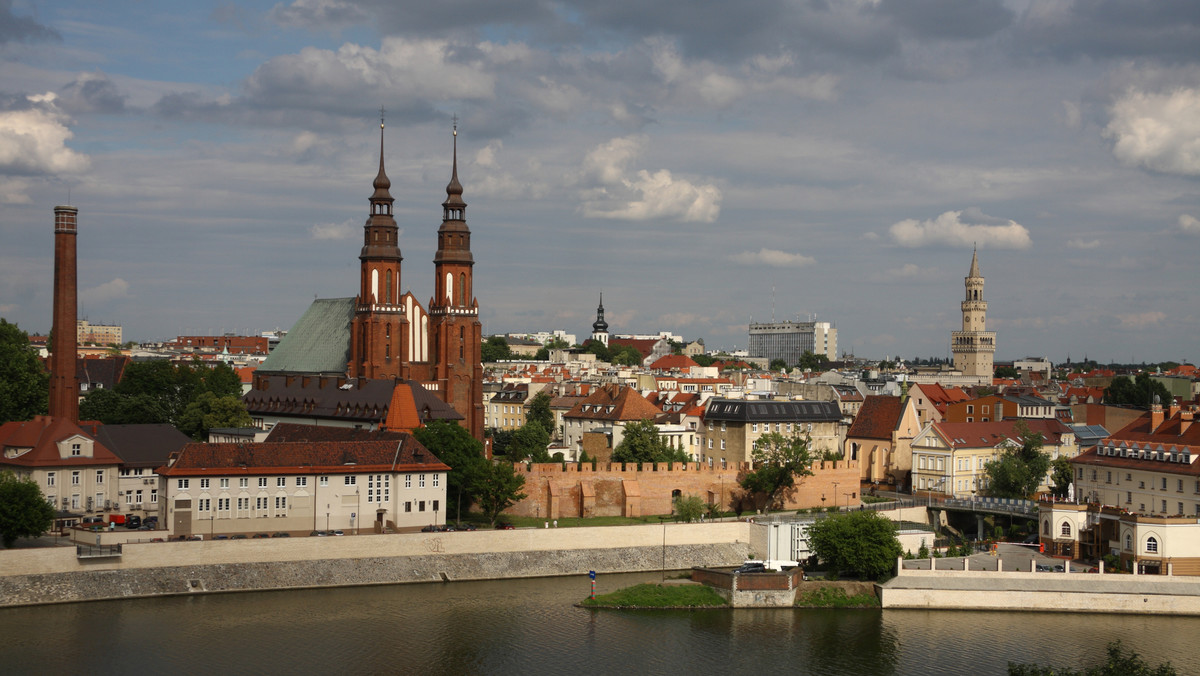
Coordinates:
<point>151,521</point>
<point>260,535</point>
<point>317,534</point>
<point>504,526</point>
<point>281,534</point>
<point>751,567</point>
<point>133,522</point>
<point>239,536</point>
<point>429,529</point>
<point>466,526</point>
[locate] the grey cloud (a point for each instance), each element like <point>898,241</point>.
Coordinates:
<point>15,28</point>
<point>424,18</point>
<point>1164,30</point>
<point>92,93</point>
<point>949,19</point>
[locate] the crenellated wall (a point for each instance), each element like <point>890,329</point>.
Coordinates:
<point>556,490</point>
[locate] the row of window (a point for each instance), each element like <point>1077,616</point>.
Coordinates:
<point>302,481</point>
<point>1108,479</point>
<point>76,477</point>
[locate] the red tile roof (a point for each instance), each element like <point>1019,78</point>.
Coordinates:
<point>674,361</point>
<point>614,402</point>
<point>304,457</point>
<point>41,436</point>
<point>877,419</point>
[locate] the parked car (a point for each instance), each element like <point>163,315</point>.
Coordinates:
<point>504,526</point>
<point>260,535</point>
<point>1042,568</point>
<point>466,526</point>
<point>317,534</point>
<point>151,521</point>
<point>338,532</point>
<point>429,529</point>
<point>221,537</point>
<point>281,534</point>
<point>133,522</point>
<point>239,536</point>
<point>751,567</point>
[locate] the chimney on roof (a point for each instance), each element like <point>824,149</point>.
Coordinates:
<point>1185,421</point>
<point>1156,416</point>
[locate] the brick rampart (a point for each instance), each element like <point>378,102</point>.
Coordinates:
<point>556,490</point>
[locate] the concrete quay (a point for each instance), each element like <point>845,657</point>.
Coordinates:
<point>982,587</point>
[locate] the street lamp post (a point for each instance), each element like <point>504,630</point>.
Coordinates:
<point>835,494</point>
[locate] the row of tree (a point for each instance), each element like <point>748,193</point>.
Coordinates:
<point>473,480</point>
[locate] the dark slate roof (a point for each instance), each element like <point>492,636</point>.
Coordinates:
<point>142,445</point>
<point>287,432</point>
<point>743,410</point>
<point>303,457</point>
<point>100,373</point>
<point>877,419</point>
<point>319,342</point>
<point>362,400</point>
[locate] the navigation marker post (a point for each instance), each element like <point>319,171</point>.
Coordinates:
<point>592,575</point>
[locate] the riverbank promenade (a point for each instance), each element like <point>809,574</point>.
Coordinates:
<point>1008,581</point>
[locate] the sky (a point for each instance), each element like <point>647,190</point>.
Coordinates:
<point>704,164</point>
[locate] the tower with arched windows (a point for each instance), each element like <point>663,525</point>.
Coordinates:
<point>974,346</point>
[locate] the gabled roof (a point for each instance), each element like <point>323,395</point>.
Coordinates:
<point>991,434</point>
<point>41,436</point>
<point>359,400</point>
<point>100,372</point>
<point>141,445</point>
<point>304,457</point>
<point>1174,428</point>
<point>615,403</point>
<point>293,432</point>
<point>674,361</point>
<point>940,396</point>
<point>319,342</point>
<point>878,418</point>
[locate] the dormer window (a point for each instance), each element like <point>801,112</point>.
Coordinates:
<point>76,449</point>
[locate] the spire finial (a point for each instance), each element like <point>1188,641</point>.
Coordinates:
<point>381,114</point>
<point>454,190</point>
<point>382,183</point>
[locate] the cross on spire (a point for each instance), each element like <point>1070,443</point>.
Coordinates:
<point>381,114</point>
<point>455,120</point>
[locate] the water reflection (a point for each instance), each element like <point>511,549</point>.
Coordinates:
<point>531,626</point>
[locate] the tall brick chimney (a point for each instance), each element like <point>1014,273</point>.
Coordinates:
<point>64,386</point>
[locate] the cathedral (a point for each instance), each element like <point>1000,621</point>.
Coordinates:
<point>974,346</point>
<point>384,334</point>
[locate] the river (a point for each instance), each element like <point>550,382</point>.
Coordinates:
<point>531,627</point>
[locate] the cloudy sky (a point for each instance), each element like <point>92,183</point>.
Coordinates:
<point>704,163</point>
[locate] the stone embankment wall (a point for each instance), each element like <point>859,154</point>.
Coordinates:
<point>557,490</point>
<point>54,575</point>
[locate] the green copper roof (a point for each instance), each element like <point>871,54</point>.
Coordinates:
<point>318,343</point>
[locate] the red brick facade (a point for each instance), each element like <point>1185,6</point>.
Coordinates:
<point>64,386</point>
<point>553,490</point>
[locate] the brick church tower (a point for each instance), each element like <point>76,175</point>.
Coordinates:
<point>64,386</point>
<point>379,323</point>
<point>457,334</point>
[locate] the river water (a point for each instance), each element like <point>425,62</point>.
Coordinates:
<point>531,627</point>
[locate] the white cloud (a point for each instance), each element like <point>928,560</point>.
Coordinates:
<point>774,258</point>
<point>949,229</point>
<point>317,13</point>
<point>14,191</point>
<point>112,290</point>
<point>1080,243</point>
<point>343,230</point>
<point>703,81</point>
<point>1189,225</point>
<point>908,272</point>
<point>1160,132</point>
<point>33,139</point>
<point>642,195</point>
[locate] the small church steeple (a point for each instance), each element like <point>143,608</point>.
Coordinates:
<point>600,327</point>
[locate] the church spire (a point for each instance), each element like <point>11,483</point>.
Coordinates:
<point>382,183</point>
<point>974,263</point>
<point>454,208</point>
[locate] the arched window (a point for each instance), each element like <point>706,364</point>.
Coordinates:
<point>1151,545</point>
<point>1046,527</point>
<point>462,342</point>
<point>1066,529</point>
<point>387,331</point>
<point>1128,541</point>
<point>462,288</point>
<point>388,291</point>
<point>676,494</point>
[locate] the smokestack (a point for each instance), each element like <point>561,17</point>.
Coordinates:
<point>64,386</point>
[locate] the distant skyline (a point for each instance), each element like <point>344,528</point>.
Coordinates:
<point>686,158</point>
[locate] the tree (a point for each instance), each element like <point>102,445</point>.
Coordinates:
<point>1060,477</point>
<point>626,355</point>
<point>1120,663</point>
<point>24,382</point>
<point>688,508</point>
<point>704,359</point>
<point>111,408</point>
<point>501,439</point>
<point>24,512</point>
<point>778,460</point>
<point>454,445</point>
<point>543,354</point>
<point>860,543</point>
<point>497,487</point>
<point>530,441</point>
<point>642,443</point>
<point>495,348</point>
<point>777,365</point>
<point>1019,470</point>
<point>1139,392</point>
<point>539,411</point>
<point>1007,372</point>
<point>599,349</point>
<point>210,410</point>
<point>810,361</point>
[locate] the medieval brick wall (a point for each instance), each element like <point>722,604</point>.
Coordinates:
<point>612,489</point>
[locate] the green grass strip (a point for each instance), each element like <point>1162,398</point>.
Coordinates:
<point>658,596</point>
<point>834,597</point>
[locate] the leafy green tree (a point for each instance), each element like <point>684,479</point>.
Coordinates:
<point>1006,372</point>
<point>778,460</point>
<point>221,380</point>
<point>599,349</point>
<point>497,487</point>
<point>642,443</point>
<point>454,445</point>
<point>1120,663</point>
<point>704,360</point>
<point>530,442</point>
<point>539,411</point>
<point>810,361</point>
<point>24,382</point>
<point>688,508</point>
<point>495,348</point>
<point>861,543</point>
<point>626,355</point>
<point>501,439</point>
<point>1139,392</point>
<point>1060,477</point>
<point>556,343</point>
<point>1018,471</point>
<point>543,354</point>
<point>210,410</point>
<point>24,512</point>
<point>777,365</point>
<point>111,408</point>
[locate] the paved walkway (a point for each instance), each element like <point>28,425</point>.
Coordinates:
<point>1014,558</point>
